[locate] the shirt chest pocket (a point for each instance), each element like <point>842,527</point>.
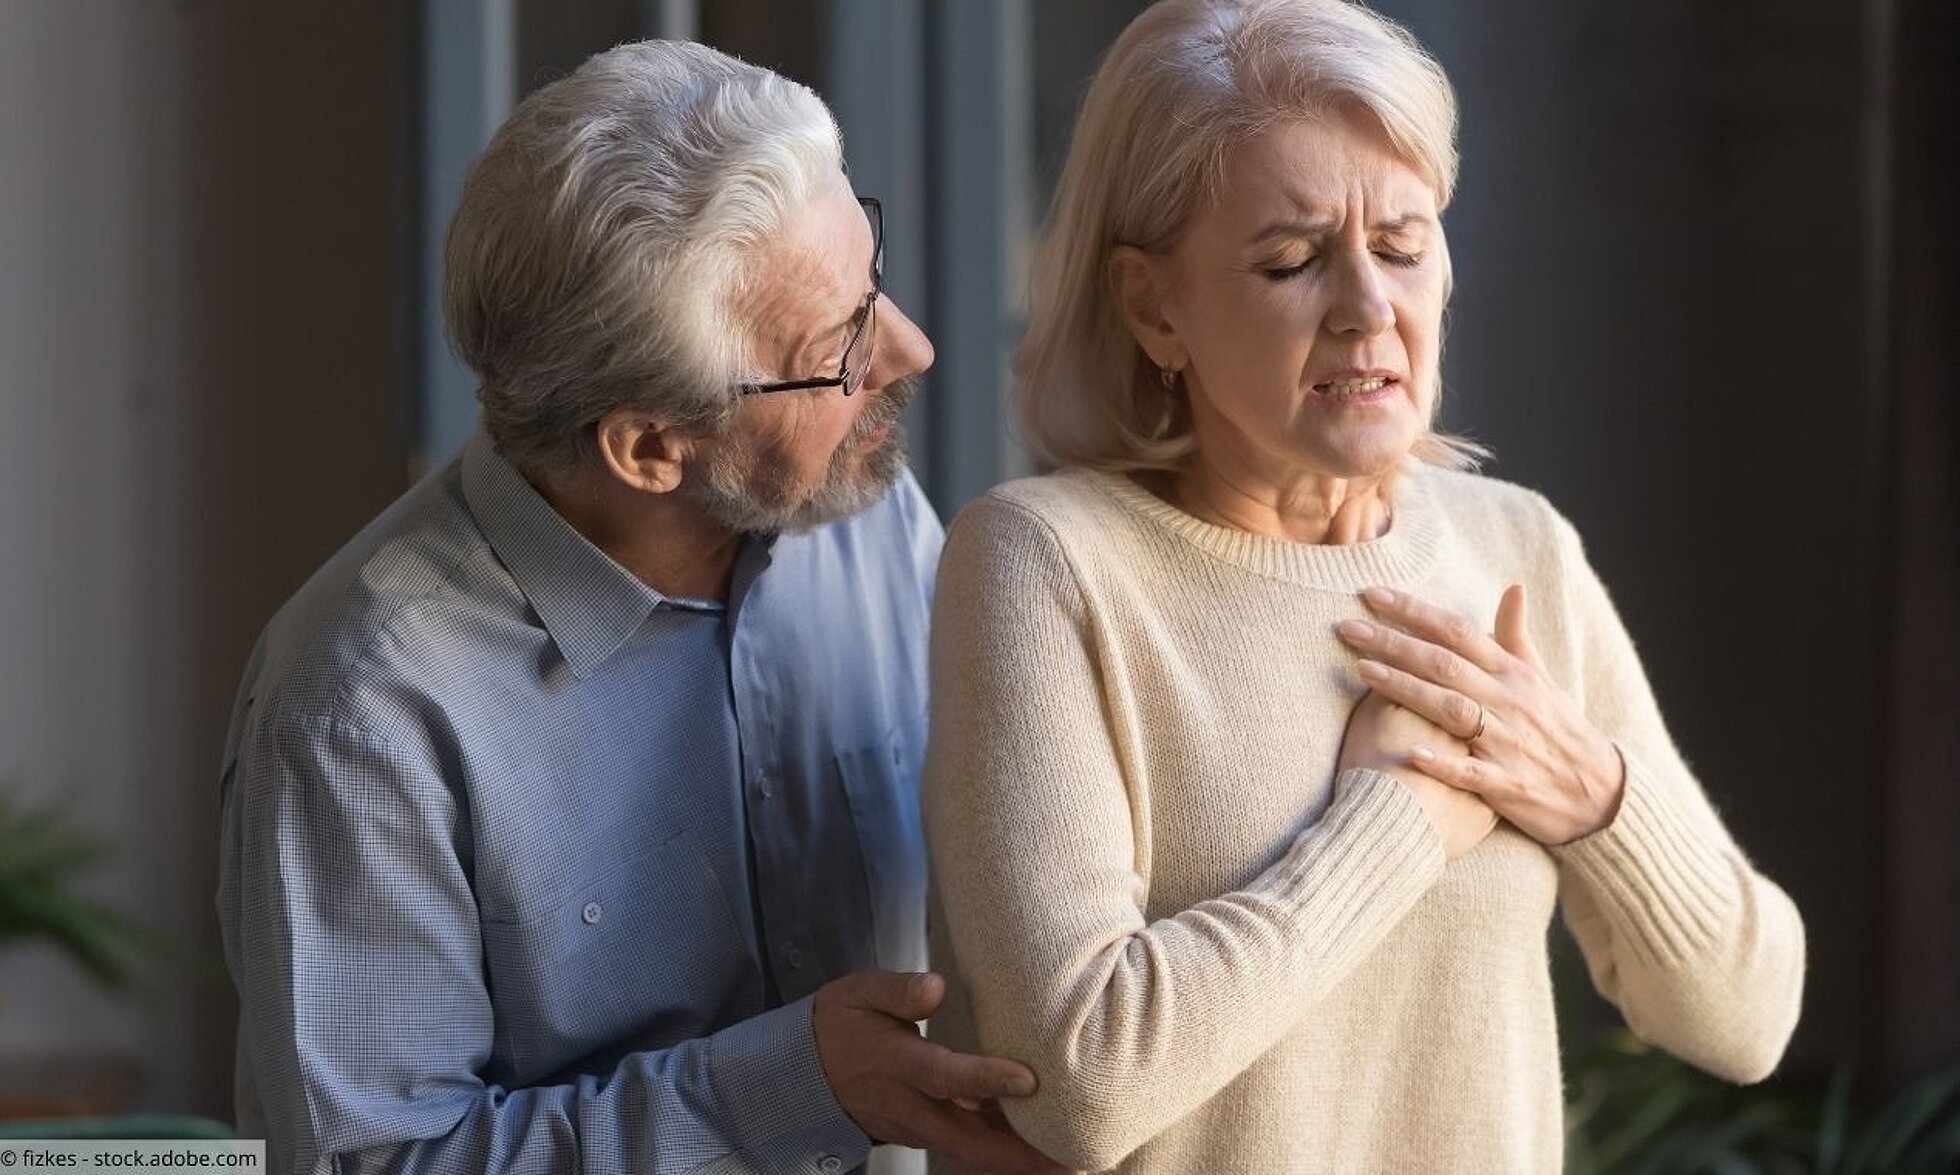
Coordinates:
<point>881,785</point>
<point>646,947</point>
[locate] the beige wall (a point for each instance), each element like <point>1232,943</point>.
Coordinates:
<point>201,388</point>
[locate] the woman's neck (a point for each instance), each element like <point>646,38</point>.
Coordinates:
<point>1306,508</point>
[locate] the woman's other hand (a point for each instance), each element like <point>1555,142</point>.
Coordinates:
<point>1383,735</point>
<point>1531,753</point>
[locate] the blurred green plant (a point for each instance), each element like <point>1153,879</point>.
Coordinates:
<point>42,853</point>
<point>1632,1110</point>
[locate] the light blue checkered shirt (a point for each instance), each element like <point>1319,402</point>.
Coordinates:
<point>528,868</point>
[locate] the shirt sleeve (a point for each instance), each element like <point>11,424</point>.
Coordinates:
<point>1702,954</point>
<point>365,1019</point>
<point>1128,1023</point>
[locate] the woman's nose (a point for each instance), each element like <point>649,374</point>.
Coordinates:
<point>1361,303</point>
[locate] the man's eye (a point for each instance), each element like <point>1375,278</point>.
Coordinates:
<point>852,328</point>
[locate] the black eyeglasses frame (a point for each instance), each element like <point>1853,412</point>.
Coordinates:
<point>867,317</point>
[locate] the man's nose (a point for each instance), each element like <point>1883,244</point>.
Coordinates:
<point>902,348</point>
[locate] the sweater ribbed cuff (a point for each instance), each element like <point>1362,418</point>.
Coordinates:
<point>1352,876</point>
<point>1660,876</point>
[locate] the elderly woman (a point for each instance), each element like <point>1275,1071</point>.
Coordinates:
<point>1247,821</point>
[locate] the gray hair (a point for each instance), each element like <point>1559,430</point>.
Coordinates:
<point>1186,82</point>
<point>597,253</point>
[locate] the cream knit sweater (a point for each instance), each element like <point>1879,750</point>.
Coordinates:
<point>1217,956</point>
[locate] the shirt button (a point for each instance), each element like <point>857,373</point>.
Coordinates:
<point>794,957</point>
<point>592,913</point>
<point>763,787</point>
<point>830,1164</point>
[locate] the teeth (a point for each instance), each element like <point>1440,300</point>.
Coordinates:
<point>1350,387</point>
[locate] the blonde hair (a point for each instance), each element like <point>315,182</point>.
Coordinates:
<point>599,248</point>
<point>1186,82</point>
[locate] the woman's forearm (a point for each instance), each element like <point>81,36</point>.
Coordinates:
<point>1128,1024</point>
<point>1702,954</point>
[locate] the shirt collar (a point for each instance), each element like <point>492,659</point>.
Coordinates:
<point>588,603</point>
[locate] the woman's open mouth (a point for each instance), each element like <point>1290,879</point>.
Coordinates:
<point>1362,389</point>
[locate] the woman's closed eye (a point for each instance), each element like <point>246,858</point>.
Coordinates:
<point>1399,258</point>
<point>1279,272</point>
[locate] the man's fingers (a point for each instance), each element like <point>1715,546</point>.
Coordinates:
<point>975,1142</point>
<point>901,995</point>
<point>939,1072</point>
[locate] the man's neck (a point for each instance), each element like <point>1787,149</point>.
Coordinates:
<point>660,538</point>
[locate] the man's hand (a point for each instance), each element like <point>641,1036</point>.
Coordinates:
<point>899,1087</point>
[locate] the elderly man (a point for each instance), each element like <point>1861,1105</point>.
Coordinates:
<point>569,816</point>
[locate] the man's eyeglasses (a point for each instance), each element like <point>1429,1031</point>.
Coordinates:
<point>856,361</point>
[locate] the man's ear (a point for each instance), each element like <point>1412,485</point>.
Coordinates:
<point>1141,285</point>
<point>642,452</point>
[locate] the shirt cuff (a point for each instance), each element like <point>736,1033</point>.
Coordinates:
<point>1665,879</point>
<point>781,1112</point>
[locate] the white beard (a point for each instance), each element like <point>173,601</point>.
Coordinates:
<point>739,488</point>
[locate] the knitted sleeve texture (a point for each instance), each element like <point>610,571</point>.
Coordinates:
<point>1128,1022</point>
<point>1702,954</point>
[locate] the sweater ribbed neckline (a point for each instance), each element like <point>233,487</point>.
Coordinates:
<point>1399,558</point>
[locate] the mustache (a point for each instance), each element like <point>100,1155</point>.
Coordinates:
<point>885,409</point>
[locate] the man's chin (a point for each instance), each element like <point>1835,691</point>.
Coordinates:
<point>852,485</point>
<point>852,490</point>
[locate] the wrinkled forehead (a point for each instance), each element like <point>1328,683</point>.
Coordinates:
<point>1322,168</point>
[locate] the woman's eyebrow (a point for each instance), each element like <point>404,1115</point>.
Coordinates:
<point>1288,229</point>
<point>1397,224</point>
<point>1315,229</point>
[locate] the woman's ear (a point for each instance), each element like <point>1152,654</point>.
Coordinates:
<point>1141,284</point>
<point>642,452</point>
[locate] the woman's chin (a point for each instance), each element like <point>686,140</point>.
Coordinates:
<point>1362,458</point>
